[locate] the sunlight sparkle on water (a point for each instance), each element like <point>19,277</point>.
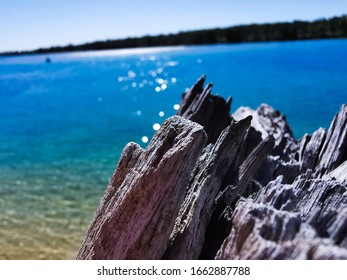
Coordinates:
<point>156,126</point>
<point>172,63</point>
<point>125,52</point>
<point>131,74</point>
<point>159,80</point>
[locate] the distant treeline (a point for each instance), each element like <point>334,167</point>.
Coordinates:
<point>335,27</point>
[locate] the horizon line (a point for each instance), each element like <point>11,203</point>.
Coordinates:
<point>80,44</point>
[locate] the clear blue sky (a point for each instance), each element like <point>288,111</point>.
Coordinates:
<point>29,24</point>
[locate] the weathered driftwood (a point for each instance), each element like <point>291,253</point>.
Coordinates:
<point>187,238</point>
<point>262,232</point>
<point>254,192</point>
<point>137,213</point>
<point>211,111</point>
<point>334,150</point>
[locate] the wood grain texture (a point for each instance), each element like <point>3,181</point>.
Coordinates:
<point>211,185</point>
<point>138,211</point>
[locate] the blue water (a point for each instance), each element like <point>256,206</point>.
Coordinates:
<point>63,124</point>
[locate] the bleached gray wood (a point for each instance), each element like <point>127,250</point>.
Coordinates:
<point>263,232</point>
<point>334,150</point>
<point>201,106</point>
<point>250,194</point>
<point>205,182</point>
<point>137,213</point>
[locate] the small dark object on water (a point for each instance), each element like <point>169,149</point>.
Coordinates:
<point>48,60</point>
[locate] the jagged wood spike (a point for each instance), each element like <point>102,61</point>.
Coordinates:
<point>188,235</point>
<point>177,198</point>
<point>262,232</point>
<point>190,95</point>
<point>137,214</point>
<point>334,150</point>
<point>211,111</point>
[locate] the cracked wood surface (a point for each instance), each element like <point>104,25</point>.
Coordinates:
<point>254,192</point>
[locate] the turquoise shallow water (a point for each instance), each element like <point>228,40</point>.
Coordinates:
<point>63,124</point>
